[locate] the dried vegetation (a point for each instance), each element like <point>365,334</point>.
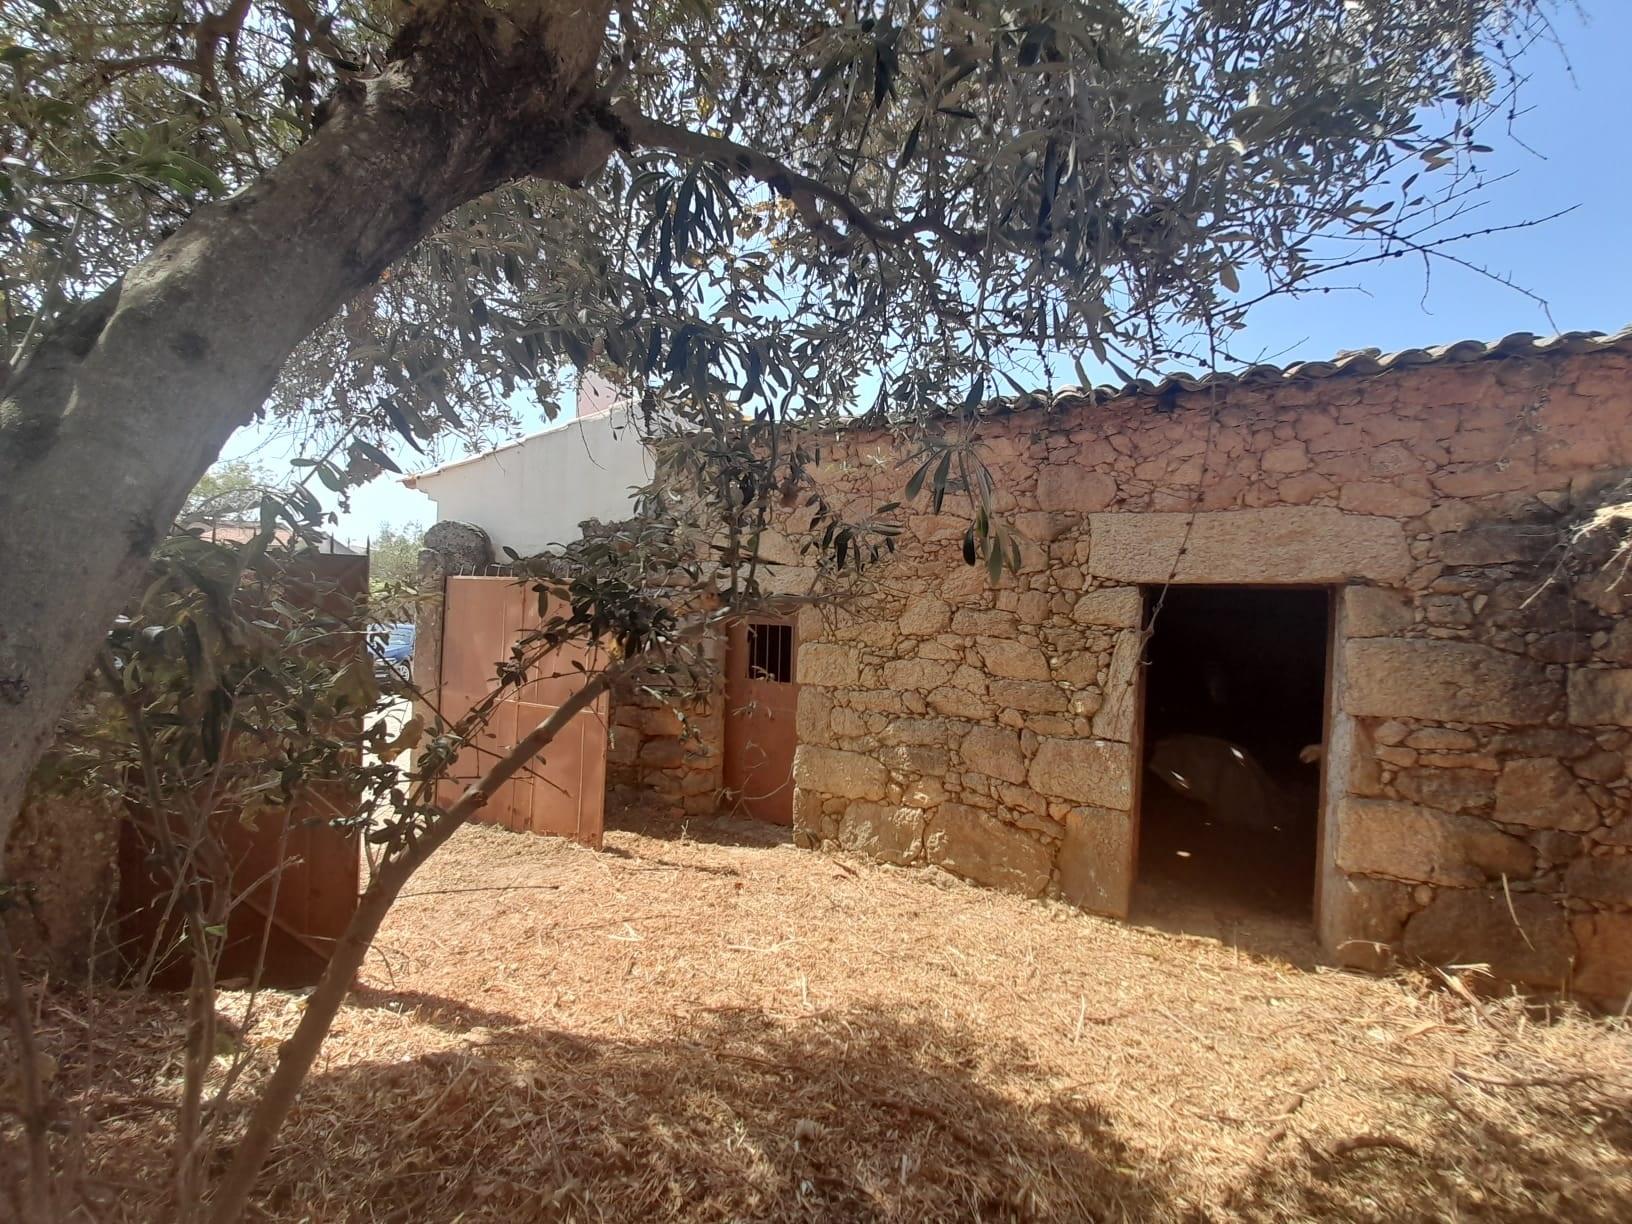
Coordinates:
<point>717,1026</point>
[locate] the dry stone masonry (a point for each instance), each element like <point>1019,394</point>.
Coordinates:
<point>1481,714</point>
<point>663,756</point>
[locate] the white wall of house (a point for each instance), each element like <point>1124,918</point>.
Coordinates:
<point>535,492</point>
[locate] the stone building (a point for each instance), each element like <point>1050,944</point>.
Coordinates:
<point>1372,554</point>
<point>1325,640</point>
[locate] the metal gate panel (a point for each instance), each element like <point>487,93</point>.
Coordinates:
<point>568,784</point>
<point>761,719</point>
<point>561,791</point>
<point>294,874</point>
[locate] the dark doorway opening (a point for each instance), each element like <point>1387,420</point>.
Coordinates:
<point>1234,720</point>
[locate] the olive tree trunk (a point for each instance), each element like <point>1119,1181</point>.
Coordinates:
<point>118,412</point>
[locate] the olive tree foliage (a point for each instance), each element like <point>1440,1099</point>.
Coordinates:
<point>383,220</point>
<point>226,708</point>
<point>229,695</point>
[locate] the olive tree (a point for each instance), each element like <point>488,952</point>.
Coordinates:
<point>393,555</point>
<point>392,216</point>
<point>229,492</point>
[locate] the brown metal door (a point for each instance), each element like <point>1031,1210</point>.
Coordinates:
<point>563,789</point>
<point>761,713</point>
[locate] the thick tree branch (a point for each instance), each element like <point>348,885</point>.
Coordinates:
<point>143,384</point>
<point>214,29</point>
<point>806,194</point>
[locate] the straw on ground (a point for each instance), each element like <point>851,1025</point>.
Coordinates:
<point>718,1026</point>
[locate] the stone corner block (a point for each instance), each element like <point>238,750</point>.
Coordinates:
<point>1096,860</point>
<point>1444,681</point>
<point>975,845</point>
<point>1363,919</point>
<point>1096,772</point>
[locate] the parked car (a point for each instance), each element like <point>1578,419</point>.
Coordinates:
<point>393,650</point>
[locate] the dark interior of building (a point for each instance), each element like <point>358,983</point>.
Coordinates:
<point>1235,691</point>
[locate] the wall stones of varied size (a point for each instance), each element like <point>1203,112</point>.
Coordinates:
<point>1481,808</point>
<point>664,758</point>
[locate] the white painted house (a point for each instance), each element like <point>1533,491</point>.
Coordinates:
<point>536,491</point>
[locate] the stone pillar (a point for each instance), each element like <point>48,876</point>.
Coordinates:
<point>665,752</point>
<point>427,665</point>
<point>465,547</point>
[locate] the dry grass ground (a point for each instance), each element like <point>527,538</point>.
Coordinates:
<point>719,1027</point>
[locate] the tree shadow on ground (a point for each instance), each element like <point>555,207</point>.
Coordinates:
<point>447,1014</point>
<point>740,1116</point>
<point>855,1114</point>
<point>1536,1151</point>
<point>859,1115</point>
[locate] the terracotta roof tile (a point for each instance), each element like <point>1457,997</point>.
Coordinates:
<point>1359,362</point>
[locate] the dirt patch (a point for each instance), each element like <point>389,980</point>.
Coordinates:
<point>719,1026</point>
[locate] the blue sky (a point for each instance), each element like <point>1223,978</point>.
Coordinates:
<point>1579,109</point>
<point>1575,127</point>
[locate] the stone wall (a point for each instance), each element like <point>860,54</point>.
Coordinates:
<point>663,757</point>
<point>63,850</point>
<point>1478,797</point>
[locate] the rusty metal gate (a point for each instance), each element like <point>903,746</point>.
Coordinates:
<point>563,790</point>
<point>761,717</point>
<point>295,875</point>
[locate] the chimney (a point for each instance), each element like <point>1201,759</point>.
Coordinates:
<point>596,396</point>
